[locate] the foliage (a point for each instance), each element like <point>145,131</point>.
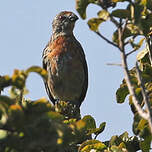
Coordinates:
<point>133,22</point>
<point>27,125</point>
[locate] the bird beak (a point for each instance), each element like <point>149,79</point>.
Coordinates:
<point>73,18</point>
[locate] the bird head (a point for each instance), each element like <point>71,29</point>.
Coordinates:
<point>64,23</point>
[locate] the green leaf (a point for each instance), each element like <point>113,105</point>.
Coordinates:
<point>124,136</point>
<point>149,4</point>
<point>121,93</point>
<point>142,54</point>
<point>117,149</point>
<point>118,1</point>
<point>94,23</point>
<point>89,120</point>
<point>55,116</point>
<point>127,33</point>
<point>137,45</point>
<point>134,29</point>
<point>115,140</point>
<point>5,81</point>
<point>103,14</point>
<point>81,6</point>
<point>138,9</point>
<point>145,145</point>
<point>121,13</point>
<point>89,145</point>
<point>146,24</point>
<point>19,78</point>
<point>38,70</point>
<point>101,128</point>
<point>6,100</point>
<point>3,134</point>
<point>141,124</point>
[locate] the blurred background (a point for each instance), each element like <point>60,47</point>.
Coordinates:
<point>25,29</point>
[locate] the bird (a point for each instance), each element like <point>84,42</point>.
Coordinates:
<point>64,60</point>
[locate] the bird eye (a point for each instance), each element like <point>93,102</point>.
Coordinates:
<point>62,17</point>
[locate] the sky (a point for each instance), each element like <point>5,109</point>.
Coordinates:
<point>25,29</point>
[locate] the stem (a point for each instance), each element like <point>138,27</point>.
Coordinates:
<point>128,79</point>
<point>108,41</point>
<point>134,50</point>
<point>149,43</point>
<point>145,96</point>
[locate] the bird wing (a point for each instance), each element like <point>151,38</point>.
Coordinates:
<point>45,66</point>
<point>85,67</point>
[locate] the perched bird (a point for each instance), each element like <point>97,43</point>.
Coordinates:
<point>64,59</point>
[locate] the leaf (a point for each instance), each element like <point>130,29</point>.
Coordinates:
<point>118,1</point>
<point>3,134</point>
<point>89,120</point>
<point>118,149</point>
<point>127,33</point>
<point>137,45</point>
<point>146,24</point>
<point>134,29</point>
<point>38,70</point>
<point>145,145</point>
<point>6,100</point>
<point>89,145</point>
<point>122,145</point>
<point>103,14</point>
<point>121,13</point>
<point>141,124</point>
<point>81,6</point>
<point>115,140</point>
<point>124,136</point>
<point>142,54</point>
<point>101,128</point>
<point>149,4</point>
<point>55,116</point>
<point>121,93</point>
<point>94,23</point>
<point>138,9</point>
<point>5,81</point>
<point>19,78</point>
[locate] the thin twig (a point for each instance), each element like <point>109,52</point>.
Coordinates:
<point>115,64</point>
<point>134,50</point>
<point>124,28</point>
<point>149,43</point>
<point>145,96</point>
<point>113,20</point>
<point>108,41</point>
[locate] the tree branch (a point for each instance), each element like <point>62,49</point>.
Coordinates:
<point>115,64</point>
<point>130,87</point>
<point>149,43</point>
<point>127,75</point>
<point>134,50</point>
<point>108,41</point>
<point>145,96</point>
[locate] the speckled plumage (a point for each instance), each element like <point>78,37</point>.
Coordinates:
<point>65,62</point>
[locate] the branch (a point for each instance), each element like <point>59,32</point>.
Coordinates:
<point>134,50</point>
<point>108,41</point>
<point>130,87</point>
<point>113,20</point>
<point>127,75</point>
<point>115,64</point>
<point>145,96</point>
<point>149,43</point>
